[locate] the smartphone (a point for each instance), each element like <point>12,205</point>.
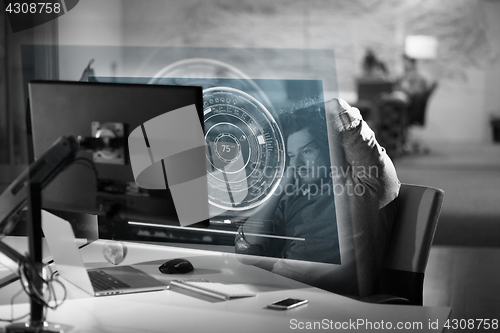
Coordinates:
<point>287,303</point>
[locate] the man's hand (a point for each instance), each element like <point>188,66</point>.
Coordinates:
<point>341,114</point>
<point>335,106</point>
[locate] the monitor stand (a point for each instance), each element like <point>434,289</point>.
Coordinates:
<point>37,321</point>
<point>43,328</point>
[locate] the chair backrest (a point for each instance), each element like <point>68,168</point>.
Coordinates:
<point>418,106</point>
<point>391,125</point>
<point>418,209</point>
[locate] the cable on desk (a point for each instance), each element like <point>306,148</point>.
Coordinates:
<point>28,274</point>
<point>30,278</point>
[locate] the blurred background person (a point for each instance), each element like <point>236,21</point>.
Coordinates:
<point>373,67</point>
<point>412,82</point>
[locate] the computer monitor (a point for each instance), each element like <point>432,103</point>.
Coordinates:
<point>101,181</point>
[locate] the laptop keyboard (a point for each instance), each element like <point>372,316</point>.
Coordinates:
<point>103,281</point>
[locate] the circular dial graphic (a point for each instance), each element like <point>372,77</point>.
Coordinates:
<point>244,148</point>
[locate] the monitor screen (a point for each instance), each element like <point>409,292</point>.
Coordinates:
<point>102,181</point>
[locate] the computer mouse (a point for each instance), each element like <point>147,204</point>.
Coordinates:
<point>176,266</point>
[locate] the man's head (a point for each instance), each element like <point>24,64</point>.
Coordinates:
<point>410,64</point>
<point>306,139</point>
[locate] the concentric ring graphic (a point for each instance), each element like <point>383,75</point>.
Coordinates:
<point>244,148</point>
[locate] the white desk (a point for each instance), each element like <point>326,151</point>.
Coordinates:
<point>174,311</point>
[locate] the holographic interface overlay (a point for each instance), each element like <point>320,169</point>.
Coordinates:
<point>275,78</point>
<point>245,154</point>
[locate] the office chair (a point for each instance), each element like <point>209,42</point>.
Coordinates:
<point>391,125</point>
<point>418,106</point>
<point>402,277</point>
<point>416,116</point>
<point>370,91</point>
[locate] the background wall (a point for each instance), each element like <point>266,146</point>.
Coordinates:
<point>92,23</point>
<point>468,66</point>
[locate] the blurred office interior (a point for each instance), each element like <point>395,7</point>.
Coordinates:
<point>455,149</point>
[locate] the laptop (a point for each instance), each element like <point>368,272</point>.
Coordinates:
<point>96,281</point>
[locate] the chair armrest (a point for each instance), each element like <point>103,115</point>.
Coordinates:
<point>385,299</point>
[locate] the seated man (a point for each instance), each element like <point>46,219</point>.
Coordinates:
<point>314,217</point>
<point>412,82</point>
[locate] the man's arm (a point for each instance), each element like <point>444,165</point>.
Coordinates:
<point>369,209</point>
<point>370,165</point>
